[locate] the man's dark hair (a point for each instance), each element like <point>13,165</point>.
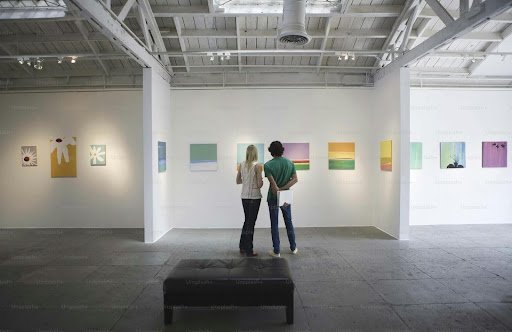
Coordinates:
<point>276,149</point>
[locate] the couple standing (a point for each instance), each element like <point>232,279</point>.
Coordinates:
<point>281,175</point>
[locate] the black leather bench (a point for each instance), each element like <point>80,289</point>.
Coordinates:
<point>234,282</point>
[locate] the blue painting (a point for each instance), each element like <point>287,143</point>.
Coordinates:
<point>162,157</point>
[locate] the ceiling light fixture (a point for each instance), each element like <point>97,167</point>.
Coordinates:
<point>21,61</point>
<point>228,56</point>
<point>353,57</point>
<point>210,54</point>
<point>73,59</point>
<point>39,64</point>
<point>60,60</point>
<point>345,56</point>
<point>29,63</point>
<point>473,60</point>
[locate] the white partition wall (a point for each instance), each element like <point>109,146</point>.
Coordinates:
<point>156,128</point>
<point>108,196</point>
<point>469,195</point>
<point>226,117</point>
<point>391,122</point>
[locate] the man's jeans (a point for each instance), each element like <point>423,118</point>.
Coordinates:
<point>274,216</point>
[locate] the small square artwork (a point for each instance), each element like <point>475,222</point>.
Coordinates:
<point>203,157</point>
<point>453,155</point>
<point>298,153</point>
<point>386,155</point>
<point>494,154</point>
<point>416,155</point>
<point>342,156</point>
<point>28,156</point>
<point>98,155</point>
<point>63,157</point>
<point>241,150</point>
<point>162,157</point>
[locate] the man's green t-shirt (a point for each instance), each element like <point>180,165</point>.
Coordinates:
<point>282,170</point>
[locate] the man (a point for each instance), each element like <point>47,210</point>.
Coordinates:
<point>282,175</point>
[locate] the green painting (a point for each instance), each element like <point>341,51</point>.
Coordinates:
<point>416,155</point>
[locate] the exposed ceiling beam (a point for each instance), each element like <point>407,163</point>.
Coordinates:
<point>12,53</point>
<point>410,24</point>
<point>23,13</point>
<point>397,28</point>
<point>183,45</point>
<point>145,29</point>
<point>232,34</point>
<point>154,30</point>
<point>324,42</point>
<point>492,48</point>
<point>238,43</point>
<point>458,28</point>
<point>125,10</point>
<point>441,12</point>
<point>93,47</point>
<point>106,21</point>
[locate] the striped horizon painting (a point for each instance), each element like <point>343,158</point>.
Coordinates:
<point>298,153</point>
<point>203,157</point>
<point>342,155</point>
<point>494,154</point>
<point>416,155</point>
<point>386,155</point>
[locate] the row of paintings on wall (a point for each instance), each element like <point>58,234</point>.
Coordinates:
<point>203,157</point>
<point>341,155</point>
<point>453,155</point>
<point>63,156</point>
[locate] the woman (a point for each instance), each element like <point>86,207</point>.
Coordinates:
<point>250,177</point>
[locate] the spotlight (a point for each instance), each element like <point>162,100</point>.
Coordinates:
<point>39,64</point>
<point>29,63</point>
<point>210,54</point>
<point>60,60</point>
<point>339,58</point>
<point>73,59</point>
<point>345,56</point>
<point>353,57</point>
<point>228,56</point>
<point>21,61</point>
<point>222,58</point>
<point>473,60</point>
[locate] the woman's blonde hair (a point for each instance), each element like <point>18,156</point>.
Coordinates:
<point>251,156</point>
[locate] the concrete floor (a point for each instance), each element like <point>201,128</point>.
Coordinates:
<point>444,278</point>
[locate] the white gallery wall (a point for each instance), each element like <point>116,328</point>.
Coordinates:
<point>156,128</point>
<point>100,196</point>
<point>391,122</point>
<point>323,197</point>
<point>472,194</point>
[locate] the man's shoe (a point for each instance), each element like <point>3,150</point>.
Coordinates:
<point>273,254</point>
<point>294,252</point>
<point>253,254</point>
<point>242,252</point>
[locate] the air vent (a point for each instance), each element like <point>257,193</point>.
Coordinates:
<point>293,27</point>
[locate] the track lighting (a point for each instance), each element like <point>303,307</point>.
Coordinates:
<point>353,57</point>
<point>345,56</point>
<point>39,64</point>
<point>21,61</point>
<point>210,54</point>
<point>228,56</point>
<point>73,59</point>
<point>29,63</point>
<point>60,59</point>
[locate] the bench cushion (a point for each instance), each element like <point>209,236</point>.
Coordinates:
<point>232,276</point>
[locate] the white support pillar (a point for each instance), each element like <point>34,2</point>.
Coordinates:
<point>156,123</point>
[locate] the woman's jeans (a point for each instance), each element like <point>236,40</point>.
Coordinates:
<point>274,217</point>
<point>251,209</point>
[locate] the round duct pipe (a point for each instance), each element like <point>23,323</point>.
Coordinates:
<point>293,27</point>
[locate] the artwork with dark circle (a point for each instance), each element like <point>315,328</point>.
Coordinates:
<point>28,156</point>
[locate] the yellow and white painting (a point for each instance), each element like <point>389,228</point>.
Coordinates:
<point>63,157</point>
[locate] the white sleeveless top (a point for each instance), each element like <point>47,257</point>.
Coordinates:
<point>250,188</point>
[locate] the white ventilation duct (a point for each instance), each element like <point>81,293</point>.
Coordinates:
<point>293,27</point>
